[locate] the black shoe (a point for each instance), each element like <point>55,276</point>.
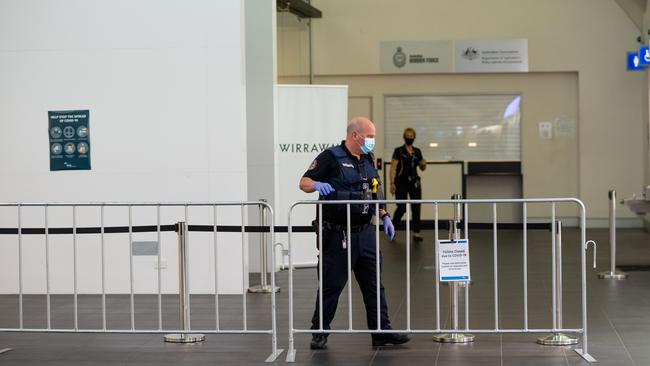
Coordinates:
<point>318,341</point>
<point>389,339</point>
<point>417,237</point>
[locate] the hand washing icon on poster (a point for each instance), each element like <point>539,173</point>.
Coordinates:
<point>69,135</point>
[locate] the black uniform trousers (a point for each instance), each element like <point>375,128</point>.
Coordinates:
<point>335,275</point>
<point>403,190</point>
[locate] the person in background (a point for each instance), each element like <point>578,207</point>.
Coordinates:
<point>405,181</point>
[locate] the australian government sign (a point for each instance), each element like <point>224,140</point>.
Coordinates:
<point>510,55</point>
<point>462,56</point>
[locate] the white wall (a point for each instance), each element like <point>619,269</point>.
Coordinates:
<point>164,84</point>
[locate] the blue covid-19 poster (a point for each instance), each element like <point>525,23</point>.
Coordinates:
<point>69,134</point>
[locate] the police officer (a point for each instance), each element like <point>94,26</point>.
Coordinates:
<point>347,172</point>
<point>404,179</point>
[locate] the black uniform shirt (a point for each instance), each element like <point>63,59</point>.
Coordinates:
<point>325,167</point>
<point>407,163</point>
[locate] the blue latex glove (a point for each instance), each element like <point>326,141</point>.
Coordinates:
<point>389,229</point>
<point>323,188</point>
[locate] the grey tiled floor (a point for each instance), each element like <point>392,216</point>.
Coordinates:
<point>619,315</point>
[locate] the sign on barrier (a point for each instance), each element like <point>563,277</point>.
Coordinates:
<point>453,258</point>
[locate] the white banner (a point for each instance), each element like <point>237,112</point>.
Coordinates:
<point>311,118</point>
<point>510,55</point>
<point>416,57</point>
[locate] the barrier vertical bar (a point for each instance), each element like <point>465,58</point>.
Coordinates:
<point>188,291</point>
<point>612,274</point>
<point>378,269</point>
<point>263,259</point>
<point>216,266</point>
<point>183,336</point>
<point>436,264</point>
<point>20,268</point>
<point>349,251</point>
<point>496,266</point>
<point>584,352</point>
<point>74,266</point>
<point>244,245</point>
<point>553,267</point>
<point>47,270</point>
<point>320,268</point>
<point>159,274</point>
<point>525,259</point>
<point>275,352</point>
<point>408,266</point>
<point>103,255</point>
<point>131,296</point>
<point>291,351</point>
<point>466,224</point>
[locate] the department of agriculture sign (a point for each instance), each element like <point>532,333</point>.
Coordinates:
<point>416,57</point>
<point>507,55</point>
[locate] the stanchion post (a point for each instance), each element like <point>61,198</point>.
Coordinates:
<point>263,287</point>
<point>612,274</point>
<point>558,338</point>
<point>183,292</point>
<point>455,337</point>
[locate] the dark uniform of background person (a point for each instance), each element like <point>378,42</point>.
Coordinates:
<point>347,172</point>
<point>405,181</point>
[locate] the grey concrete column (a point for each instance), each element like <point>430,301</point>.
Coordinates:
<point>261,76</point>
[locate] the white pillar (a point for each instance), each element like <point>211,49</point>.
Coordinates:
<point>261,76</point>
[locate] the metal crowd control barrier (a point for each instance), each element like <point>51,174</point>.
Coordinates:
<point>612,274</point>
<point>557,327</point>
<point>185,332</point>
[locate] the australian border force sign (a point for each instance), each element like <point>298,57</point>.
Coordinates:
<point>416,57</point>
<point>453,260</point>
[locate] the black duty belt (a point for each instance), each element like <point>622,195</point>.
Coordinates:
<point>329,226</point>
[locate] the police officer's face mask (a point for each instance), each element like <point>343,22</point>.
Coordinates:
<point>368,145</point>
<point>408,141</point>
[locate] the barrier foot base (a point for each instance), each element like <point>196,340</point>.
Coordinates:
<point>291,355</point>
<point>453,338</point>
<point>259,289</point>
<point>274,355</point>
<point>5,350</point>
<point>587,357</point>
<point>609,275</point>
<point>461,284</point>
<point>557,339</point>
<point>184,338</point>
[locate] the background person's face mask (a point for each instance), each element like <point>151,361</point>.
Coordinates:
<point>409,141</point>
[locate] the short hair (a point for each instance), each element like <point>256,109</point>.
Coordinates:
<point>409,129</point>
